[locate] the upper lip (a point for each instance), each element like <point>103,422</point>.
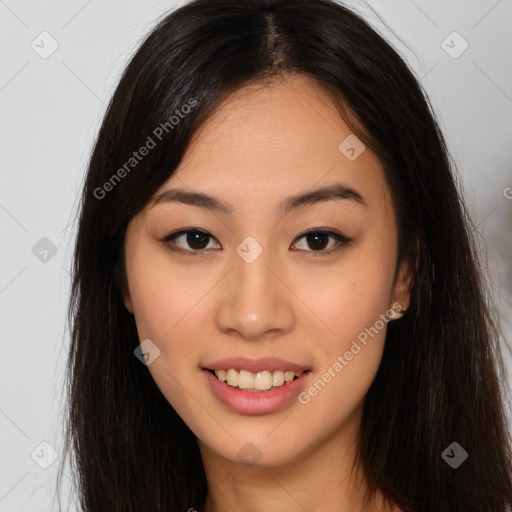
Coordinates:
<point>255,365</point>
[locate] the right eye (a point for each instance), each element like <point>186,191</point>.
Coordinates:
<point>194,238</point>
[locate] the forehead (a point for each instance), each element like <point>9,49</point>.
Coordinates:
<point>272,140</point>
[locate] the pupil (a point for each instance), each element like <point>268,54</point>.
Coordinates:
<point>316,237</point>
<point>196,238</point>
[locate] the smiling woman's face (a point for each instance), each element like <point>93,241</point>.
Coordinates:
<point>256,286</point>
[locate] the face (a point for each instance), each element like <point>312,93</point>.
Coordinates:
<point>266,278</point>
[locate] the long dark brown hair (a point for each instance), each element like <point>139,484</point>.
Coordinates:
<point>439,379</point>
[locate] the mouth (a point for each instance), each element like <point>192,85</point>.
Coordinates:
<point>256,386</point>
<point>257,382</point>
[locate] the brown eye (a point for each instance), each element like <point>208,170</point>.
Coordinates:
<point>196,239</point>
<point>188,241</point>
<point>195,242</point>
<point>317,241</point>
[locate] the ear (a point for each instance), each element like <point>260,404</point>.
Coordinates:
<point>122,284</point>
<point>404,281</point>
<point>128,302</point>
<point>403,286</point>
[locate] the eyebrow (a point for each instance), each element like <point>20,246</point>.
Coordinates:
<point>337,191</point>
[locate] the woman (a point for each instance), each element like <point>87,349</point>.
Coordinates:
<point>277,301</point>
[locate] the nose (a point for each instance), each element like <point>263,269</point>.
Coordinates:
<point>256,302</point>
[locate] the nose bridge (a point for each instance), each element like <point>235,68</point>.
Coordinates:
<point>255,301</point>
<point>255,285</point>
<point>253,261</point>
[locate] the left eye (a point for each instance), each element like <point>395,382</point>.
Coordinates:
<point>320,239</point>
<point>198,241</point>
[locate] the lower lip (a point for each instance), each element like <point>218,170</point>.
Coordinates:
<point>263,402</point>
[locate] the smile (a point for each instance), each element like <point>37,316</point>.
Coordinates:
<point>265,380</point>
<point>253,393</point>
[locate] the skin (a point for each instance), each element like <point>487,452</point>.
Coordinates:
<point>294,301</point>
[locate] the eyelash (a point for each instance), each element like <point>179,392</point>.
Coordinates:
<point>344,241</point>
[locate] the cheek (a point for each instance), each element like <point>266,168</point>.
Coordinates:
<point>165,305</point>
<point>162,296</point>
<point>353,306</point>
<point>352,297</point>
<point>165,314</point>
<point>349,356</point>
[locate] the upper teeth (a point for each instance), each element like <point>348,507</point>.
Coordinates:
<point>261,380</point>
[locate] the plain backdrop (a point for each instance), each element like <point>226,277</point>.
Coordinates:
<point>51,107</point>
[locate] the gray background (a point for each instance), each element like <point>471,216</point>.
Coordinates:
<point>51,109</point>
